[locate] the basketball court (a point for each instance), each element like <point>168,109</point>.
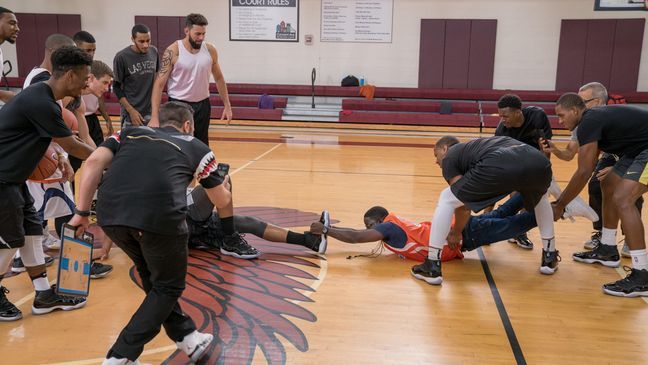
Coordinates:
<point>292,306</point>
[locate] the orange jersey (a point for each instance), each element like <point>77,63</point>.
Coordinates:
<point>418,237</point>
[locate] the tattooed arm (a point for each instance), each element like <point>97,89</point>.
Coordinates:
<point>169,58</point>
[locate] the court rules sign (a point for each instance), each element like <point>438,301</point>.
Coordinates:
<point>264,20</point>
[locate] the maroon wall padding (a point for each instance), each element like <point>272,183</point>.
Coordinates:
<point>482,54</point>
<point>603,50</point>
<point>598,53</point>
<point>249,113</point>
<point>455,120</point>
<point>457,53</point>
<point>34,30</point>
<point>628,40</point>
<point>164,29</point>
<point>408,106</point>
<point>571,54</point>
<point>432,51</point>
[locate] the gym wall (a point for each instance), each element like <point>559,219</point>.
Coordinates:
<point>526,50</point>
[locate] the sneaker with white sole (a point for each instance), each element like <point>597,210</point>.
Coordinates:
<point>429,271</point>
<point>195,344</point>
<point>605,255</point>
<point>121,361</point>
<point>17,266</point>
<point>325,219</point>
<point>236,246</point>
<point>635,284</point>
<point>550,260</point>
<point>99,270</point>
<point>578,208</point>
<point>47,301</point>
<point>315,242</point>
<point>8,311</point>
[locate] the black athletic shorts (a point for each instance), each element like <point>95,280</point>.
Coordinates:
<point>633,168</point>
<point>519,168</point>
<point>18,216</point>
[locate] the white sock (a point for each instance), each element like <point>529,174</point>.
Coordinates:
<point>41,284</point>
<point>639,259</point>
<point>554,190</point>
<point>549,244</point>
<point>32,252</point>
<point>608,236</point>
<point>441,222</point>
<point>544,217</point>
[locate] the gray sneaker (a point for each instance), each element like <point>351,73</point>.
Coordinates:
<point>594,241</point>
<point>625,251</point>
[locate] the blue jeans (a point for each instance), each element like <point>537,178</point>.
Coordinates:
<point>500,224</point>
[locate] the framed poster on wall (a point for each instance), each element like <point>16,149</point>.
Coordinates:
<point>264,20</point>
<point>357,21</point>
<point>621,5</point>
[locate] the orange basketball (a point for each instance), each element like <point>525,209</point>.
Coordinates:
<point>47,165</point>
<point>70,120</point>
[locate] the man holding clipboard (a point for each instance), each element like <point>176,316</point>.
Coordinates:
<point>142,206</point>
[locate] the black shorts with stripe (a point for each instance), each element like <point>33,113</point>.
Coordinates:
<point>520,168</point>
<point>633,168</point>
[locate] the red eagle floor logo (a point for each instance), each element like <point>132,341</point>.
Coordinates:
<point>247,304</point>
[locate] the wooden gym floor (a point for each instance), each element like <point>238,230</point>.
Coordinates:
<point>293,307</point>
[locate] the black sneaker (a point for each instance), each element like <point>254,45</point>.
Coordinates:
<point>594,241</point>
<point>99,270</point>
<point>429,271</point>
<point>8,311</point>
<point>235,245</point>
<point>550,260</point>
<point>47,301</point>
<point>315,242</point>
<point>524,242</point>
<point>605,255</point>
<point>17,266</point>
<point>633,285</point>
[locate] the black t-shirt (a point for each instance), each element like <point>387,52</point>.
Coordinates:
<point>536,125</point>
<point>145,186</point>
<point>619,129</point>
<point>27,124</point>
<point>463,156</point>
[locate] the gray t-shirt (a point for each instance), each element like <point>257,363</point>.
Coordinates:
<point>134,74</point>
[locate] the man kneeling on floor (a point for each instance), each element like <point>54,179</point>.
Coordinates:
<point>142,207</point>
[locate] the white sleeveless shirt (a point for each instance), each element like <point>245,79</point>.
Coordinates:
<point>189,79</point>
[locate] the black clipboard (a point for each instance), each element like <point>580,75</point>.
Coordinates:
<point>75,261</point>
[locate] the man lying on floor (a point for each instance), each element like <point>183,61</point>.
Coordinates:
<point>204,227</point>
<point>410,240</point>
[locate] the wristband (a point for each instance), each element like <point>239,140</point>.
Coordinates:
<point>81,213</point>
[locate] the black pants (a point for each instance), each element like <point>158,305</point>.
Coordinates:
<point>595,193</point>
<point>202,114</point>
<point>161,262</point>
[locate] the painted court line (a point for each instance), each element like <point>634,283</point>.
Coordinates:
<point>256,158</point>
<point>501,309</point>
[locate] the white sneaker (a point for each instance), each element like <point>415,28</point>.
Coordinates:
<point>195,344</point>
<point>50,242</point>
<point>116,361</point>
<point>578,208</point>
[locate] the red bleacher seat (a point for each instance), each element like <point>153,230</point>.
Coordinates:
<point>249,113</point>
<point>458,120</point>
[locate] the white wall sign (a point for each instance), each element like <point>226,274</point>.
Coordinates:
<point>367,21</point>
<point>264,20</point>
<point>621,5</point>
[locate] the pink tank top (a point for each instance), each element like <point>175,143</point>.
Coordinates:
<point>189,79</point>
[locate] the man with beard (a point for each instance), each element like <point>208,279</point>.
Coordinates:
<point>185,68</point>
<point>8,32</point>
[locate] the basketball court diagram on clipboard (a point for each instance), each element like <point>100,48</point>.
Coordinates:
<point>75,263</point>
